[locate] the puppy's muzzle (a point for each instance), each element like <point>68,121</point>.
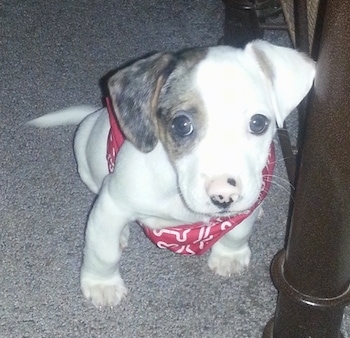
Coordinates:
<point>223,191</point>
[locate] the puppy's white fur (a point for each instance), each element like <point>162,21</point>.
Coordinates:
<point>164,180</point>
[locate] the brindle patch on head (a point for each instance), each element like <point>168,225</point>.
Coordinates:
<point>179,97</point>
<point>134,91</point>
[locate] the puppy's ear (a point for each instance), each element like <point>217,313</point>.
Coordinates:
<point>290,73</point>
<point>134,91</point>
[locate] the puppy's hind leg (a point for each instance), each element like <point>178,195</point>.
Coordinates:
<point>231,254</point>
<point>100,278</point>
<point>90,150</point>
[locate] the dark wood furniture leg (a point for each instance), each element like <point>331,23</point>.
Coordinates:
<point>312,274</point>
<point>241,23</point>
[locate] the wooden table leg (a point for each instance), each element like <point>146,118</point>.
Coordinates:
<point>312,274</point>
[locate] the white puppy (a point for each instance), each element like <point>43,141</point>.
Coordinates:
<point>198,126</point>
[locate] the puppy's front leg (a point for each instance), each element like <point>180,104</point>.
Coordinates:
<point>100,278</point>
<point>231,254</point>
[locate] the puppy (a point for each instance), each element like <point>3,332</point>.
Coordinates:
<point>197,158</point>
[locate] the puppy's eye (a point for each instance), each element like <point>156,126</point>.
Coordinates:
<point>258,124</point>
<point>182,125</point>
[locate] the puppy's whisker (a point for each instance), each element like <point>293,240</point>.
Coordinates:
<point>269,178</point>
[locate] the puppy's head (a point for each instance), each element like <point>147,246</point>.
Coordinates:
<point>214,111</point>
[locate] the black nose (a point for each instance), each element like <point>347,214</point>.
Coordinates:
<point>220,201</point>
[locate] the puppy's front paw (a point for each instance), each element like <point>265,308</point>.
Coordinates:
<point>230,262</point>
<point>103,292</point>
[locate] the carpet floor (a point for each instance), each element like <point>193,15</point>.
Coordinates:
<point>52,55</point>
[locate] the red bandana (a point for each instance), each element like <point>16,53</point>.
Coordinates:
<point>196,238</point>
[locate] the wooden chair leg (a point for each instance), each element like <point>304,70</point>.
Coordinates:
<point>241,23</point>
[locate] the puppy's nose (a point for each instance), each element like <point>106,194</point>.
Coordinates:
<point>223,191</point>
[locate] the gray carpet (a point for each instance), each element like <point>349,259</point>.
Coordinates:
<point>52,56</point>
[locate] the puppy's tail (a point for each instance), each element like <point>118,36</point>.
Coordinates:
<point>67,116</point>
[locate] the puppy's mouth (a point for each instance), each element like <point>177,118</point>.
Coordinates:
<point>211,209</point>
<point>231,209</point>
<point>224,213</point>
